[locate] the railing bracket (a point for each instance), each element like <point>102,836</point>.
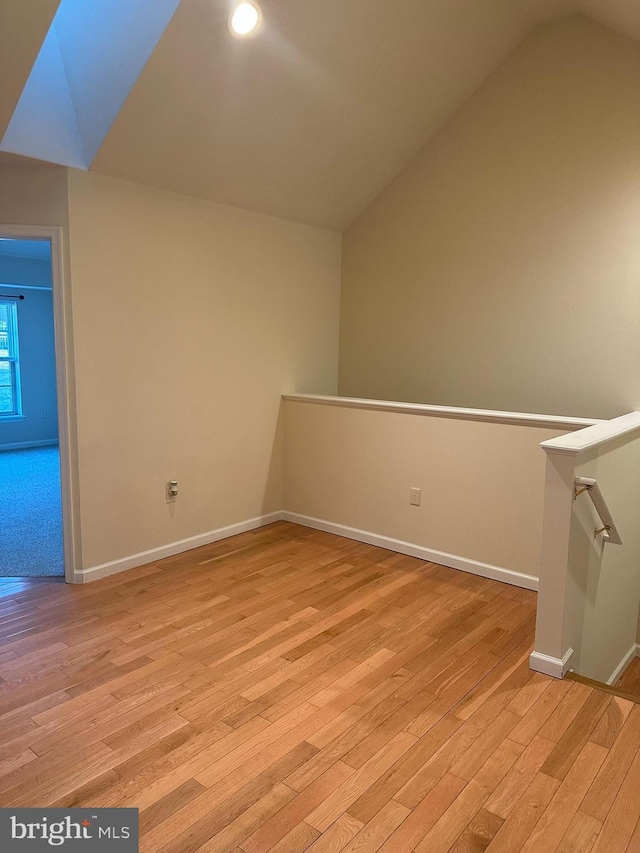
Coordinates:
<point>586,484</point>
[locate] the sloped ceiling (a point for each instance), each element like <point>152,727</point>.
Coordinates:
<point>620,15</point>
<point>312,117</point>
<point>89,61</point>
<point>23,27</point>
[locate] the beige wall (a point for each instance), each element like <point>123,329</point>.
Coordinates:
<point>33,196</point>
<point>482,483</point>
<point>501,268</point>
<point>190,320</point>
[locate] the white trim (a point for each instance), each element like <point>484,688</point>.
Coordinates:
<point>593,436</point>
<point>65,385</point>
<point>25,445</point>
<point>154,554</point>
<point>515,418</point>
<point>555,667</point>
<point>496,573</point>
<point>633,652</point>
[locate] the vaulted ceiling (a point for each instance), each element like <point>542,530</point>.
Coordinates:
<point>23,27</point>
<point>307,120</point>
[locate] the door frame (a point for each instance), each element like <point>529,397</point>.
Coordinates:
<point>65,388</point>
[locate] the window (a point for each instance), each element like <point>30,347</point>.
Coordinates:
<point>10,402</point>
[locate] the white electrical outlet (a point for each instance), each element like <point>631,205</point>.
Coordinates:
<point>415,496</point>
<point>172,491</point>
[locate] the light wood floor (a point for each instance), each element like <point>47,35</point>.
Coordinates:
<point>288,690</point>
<point>630,681</point>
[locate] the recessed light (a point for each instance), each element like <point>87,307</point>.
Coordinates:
<point>244,19</point>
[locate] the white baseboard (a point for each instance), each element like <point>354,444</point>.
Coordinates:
<point>452,561</point>
<point>633,652</point>
<point>94,573</point>
<point>556,667</point>
<point>428,554</point>
<point>25,445</point>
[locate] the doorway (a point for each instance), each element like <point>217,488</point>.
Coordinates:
<point>34,447</point>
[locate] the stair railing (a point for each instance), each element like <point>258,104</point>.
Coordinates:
<point>609,530</point>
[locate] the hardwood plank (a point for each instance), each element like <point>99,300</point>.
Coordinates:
<point>521,822</point>
<point>566,751</point>
<point>337,836</point>
<point>363,717</point>
<point>581,834</point>
<point>553,824</point>
<point>288,690</point>
<point>479,834</point>
<point>605,788</point>
<point>540,711</point>
<point>300,837</point>
<point>611,722</point>
<point>620,823</point>
<point>169,805</point>
<point>210,812</point>
<point>508,792</point>
<point>494,739</point>
<point>398,719</point>
<point>528,695</point>
<point>630,680</point>
<point>347,793</point>
<point>424,816</point>
<point>12,761</point>
<point>634,843</point>
<point>483,724</point>
<point>235,832</point>
<point>565,712</point>
<point>454,821</point>
<point>290,816</point>
<point>379,828</point>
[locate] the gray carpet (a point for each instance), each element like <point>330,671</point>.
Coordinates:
<point>30,513</point>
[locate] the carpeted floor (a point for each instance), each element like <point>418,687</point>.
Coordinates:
<point>30,513</point>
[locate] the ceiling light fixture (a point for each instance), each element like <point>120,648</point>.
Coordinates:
<point>244,19</point>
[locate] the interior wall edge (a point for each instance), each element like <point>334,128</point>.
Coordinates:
<point>618,672</point>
